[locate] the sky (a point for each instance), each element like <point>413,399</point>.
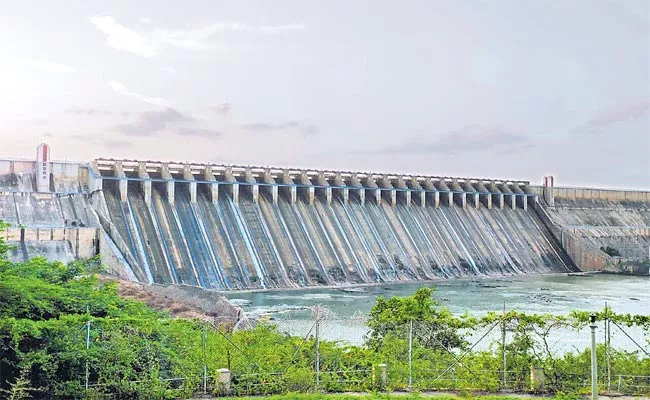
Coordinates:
<point>493,89</point>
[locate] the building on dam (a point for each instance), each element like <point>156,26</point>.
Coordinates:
<point>229,227</point>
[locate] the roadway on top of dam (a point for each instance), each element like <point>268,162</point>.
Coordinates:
<point>303,185</point>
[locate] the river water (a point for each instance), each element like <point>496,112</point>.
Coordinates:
<point>557,294</point>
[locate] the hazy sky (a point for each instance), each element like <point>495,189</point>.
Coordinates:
<point>511,89</point>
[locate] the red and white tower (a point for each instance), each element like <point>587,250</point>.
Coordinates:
<point>43,168</point>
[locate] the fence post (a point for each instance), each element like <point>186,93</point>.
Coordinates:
<point>503,345</point>
<point>317,352</point>
<point>594,365</point>
<point>87,348</point>
<point>608,343</point>
<point>383,376</point>
<point>204,339</point>
<point>224,378</point>
<point>410,352</point>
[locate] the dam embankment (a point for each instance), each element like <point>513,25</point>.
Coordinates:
<point>232,228</point>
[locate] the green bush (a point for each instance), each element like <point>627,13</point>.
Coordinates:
<point>60,324</point>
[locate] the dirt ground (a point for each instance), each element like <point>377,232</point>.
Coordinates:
<point>176,302</point>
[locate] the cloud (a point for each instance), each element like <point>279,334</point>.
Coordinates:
<point>295,126</point>
<point>96,112</point>
<point>145,21</point>
<point>102,141</point>
<point>149,123</point>
<point>171,70</point>
<point>222,109</point>
<point>117,144</point>
<point>152,43</point>
<point>198,132</point>
<point>622,113</point>
<point>471,138</point>
<point>121,89</point>
<point>46,66</point>
<point>165,122</point>
<point>122,38</point>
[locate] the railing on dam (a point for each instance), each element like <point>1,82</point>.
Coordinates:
<point>311,184</point>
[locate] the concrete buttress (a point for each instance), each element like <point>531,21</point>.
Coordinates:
<point>145,184</point>
<point>213,191</point>
<point>255,188</point>
<point>345,192</point>
<point>169,182</point>
<point>122,183</point>
<point>287,180</point>
<point>232,182</point>
<point>322,181</point>
<point>354,181</point>
<point>268,179</point>
<point>187,175</point>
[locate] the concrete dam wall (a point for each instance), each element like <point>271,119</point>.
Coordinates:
<point>240,227</point>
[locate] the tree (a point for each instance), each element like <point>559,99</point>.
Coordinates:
<point>434,327</point>
<point>4,248</point>
<point>611,251</point>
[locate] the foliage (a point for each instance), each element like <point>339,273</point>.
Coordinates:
<point>4,248</point>
<point>436,328</point>
<point>61,326</point>
<point>611,251</point>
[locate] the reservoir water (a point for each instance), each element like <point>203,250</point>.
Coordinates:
<point>557,294</point>
<point>291,310</point>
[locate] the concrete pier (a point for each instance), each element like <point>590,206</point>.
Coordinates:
<point>286,180</point>
<point>213,189</point>
<point>435,195</point>
<point>509,196</point>
<point>309,190</point>
<point>322,181</point>
<point>445,191</point>
<point>345,192</point>
<point>472,194</point>
<point>268,179</point>
<point>123,186</point>
<point>497,195</point>
<point>389,192</point>
<point>145,185</point>
<point>187,175</point>
<point>355,182</point>
<point>483,194</point>
<point>255,188</point>
<point>459,194</point>
<point>95,181</point>
<point>405,193</point>
<point>520,198</point>
<point>372,187</point>
<point>169,184</point>
<point>531,196</point>
<point>232,184</point>
<point>419,193</point>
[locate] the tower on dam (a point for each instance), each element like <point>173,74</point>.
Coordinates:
<point>43,168</point>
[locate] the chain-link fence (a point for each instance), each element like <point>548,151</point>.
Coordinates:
<point>503,352</point>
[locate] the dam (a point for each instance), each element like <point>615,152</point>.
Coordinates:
<point>228,227</point>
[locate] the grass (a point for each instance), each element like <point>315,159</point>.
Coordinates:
<point>370,396</point>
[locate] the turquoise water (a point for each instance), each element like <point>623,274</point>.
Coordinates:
<point>558,294</point>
